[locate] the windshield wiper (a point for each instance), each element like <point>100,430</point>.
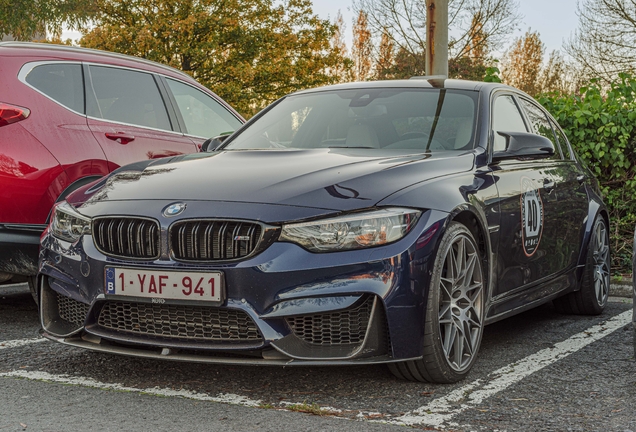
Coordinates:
<point>356,147</point>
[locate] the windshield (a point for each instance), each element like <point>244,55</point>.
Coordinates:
<point>408,119</point>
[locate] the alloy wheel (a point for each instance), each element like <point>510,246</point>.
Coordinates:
<point>461,303</point>
<point>601,264</point>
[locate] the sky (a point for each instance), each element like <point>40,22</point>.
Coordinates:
<point>555,20</point>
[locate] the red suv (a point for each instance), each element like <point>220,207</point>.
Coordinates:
<point>70,115</point>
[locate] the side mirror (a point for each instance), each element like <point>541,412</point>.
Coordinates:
<point>523,145</point>
<point>211,144</point>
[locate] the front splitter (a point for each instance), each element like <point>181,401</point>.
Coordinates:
<point>175,355</point>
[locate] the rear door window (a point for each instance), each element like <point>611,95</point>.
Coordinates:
<point>565,148</point>
<point>541,124</point>
<point>127,96</point>
<point>62,82</point>
<point>203,116</point>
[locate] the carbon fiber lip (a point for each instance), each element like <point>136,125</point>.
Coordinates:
<point>176,356</point>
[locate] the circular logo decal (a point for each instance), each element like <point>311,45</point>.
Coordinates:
<point>531,216</point>
<point>174,209</point>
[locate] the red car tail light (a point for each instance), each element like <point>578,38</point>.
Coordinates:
<point>12,114</point>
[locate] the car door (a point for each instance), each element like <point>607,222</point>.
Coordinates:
<point>526,249</point>
<point>202,115</point>
<point>569,198</point>
<point>128,116</point>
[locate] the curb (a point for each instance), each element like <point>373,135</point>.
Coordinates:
<point>621,290</point>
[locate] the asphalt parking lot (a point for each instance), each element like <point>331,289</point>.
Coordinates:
<point>536,371</point>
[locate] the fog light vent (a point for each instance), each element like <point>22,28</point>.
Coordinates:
<point>343,327</point>
<point>71,310</point>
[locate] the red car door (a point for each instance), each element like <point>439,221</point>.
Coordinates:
<point>128,116</point>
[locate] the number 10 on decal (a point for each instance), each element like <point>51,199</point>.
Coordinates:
<point>164,284</point>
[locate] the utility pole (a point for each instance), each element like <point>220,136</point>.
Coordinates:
<point>437,37</point>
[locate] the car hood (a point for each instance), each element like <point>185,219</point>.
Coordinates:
<point>334,179</point>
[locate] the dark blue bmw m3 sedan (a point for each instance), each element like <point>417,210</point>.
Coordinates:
<point>379,222</point>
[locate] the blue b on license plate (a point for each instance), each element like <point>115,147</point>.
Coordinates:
<point>177,285</point>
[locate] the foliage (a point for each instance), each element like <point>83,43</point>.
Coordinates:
<point>522,63</point>
<point>556,75</point>
<point>405,65</point>
<point>362,48</point>
<point>492,73</point>
<point>601,126</point>
<point>28,19</point>
<point>469,62</point>
<point>467,68</point>
<point>386,56</point>
<point>342,71</point>
<point>603,45</point>
<point>475,24</point>
<point>250,52</point>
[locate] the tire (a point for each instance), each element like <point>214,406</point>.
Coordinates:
<point>591,298</point>
<point>454,312</point>
<point>33,280</point>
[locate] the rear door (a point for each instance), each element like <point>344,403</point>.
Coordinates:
<point>569,198</point>
<point>129,117</point>
<point>529,219</point>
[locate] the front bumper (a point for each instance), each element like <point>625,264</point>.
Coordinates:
<point>299,303</point>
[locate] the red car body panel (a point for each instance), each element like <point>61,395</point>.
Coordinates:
<point>55,150</point>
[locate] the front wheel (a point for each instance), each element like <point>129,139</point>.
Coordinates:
<point>454,312</point>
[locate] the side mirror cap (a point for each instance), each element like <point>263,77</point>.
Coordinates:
<point>523,145</point>
<point>211,144</point>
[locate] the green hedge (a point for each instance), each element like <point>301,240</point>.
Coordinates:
<point>600,124</point>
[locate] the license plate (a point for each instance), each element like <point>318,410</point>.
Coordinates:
<point>182,285</point>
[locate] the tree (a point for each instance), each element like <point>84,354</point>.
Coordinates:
<point>343,72</point>
<point>362,48</point>
<point>386,56</point>
<point>522,63</point>
<point>476,25</point>
<point>477,40</point>
<point>23,19</point>
<point>250,52</point>
<point>560,76</point>
<point>604,42</point>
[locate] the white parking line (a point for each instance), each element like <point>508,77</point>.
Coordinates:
<point>156,391</point>
<point>440,411</point>
<point>19,342</point>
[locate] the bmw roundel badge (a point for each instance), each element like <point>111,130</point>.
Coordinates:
<point>174,209</point>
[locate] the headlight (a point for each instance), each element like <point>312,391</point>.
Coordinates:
<point>68,224</point>
<point>356,231</point>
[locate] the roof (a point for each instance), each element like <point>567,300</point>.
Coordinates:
<point>75,53</point>
<point>415,82</point>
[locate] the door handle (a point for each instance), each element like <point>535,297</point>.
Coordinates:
<point>548,185</point>
<point>581,178</point>
<point>120,137</point>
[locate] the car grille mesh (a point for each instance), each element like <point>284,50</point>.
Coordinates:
<point>71,310</point>
<point>213,240</point>
<point>127,237</point>
<point>334,328</point>
<point>178,321</point>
